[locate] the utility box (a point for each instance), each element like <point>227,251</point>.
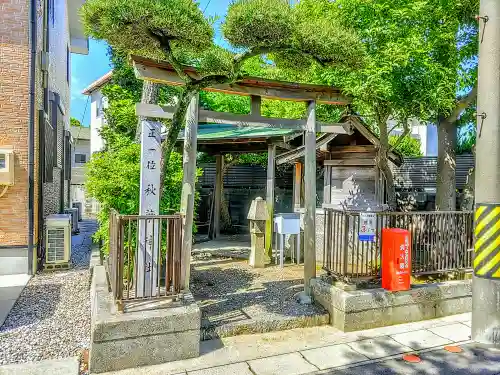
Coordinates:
<point>396,259</point>
<point>78,205</point>
<point>58,241</point>
<point>6,165</point>
<point>74,219</point>
<point>287,223</point>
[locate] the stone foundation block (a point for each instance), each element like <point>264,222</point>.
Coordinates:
<point>352,310</point>
<point>146,335</point>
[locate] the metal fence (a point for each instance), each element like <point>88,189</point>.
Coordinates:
<point>144,257</point>
<point>440,242</point>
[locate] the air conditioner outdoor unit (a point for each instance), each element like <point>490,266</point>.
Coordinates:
<point>58,239</point>
<point>79,206</point>
<point>74,218</point>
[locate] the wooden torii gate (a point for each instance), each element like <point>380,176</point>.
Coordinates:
<point>256,88</point>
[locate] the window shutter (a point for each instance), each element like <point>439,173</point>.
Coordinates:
<point>46,147</point>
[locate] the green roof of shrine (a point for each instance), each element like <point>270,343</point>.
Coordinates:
<point>212,132</point>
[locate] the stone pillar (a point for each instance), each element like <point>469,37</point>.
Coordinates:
<point>271,155</point>
<point>310,203</point>
<point>188,187</point>
<point>258,215</point>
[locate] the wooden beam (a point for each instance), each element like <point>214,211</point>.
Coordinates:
<point>337,128</point>
<point>154,111</point>
<point>299,152</point>
<point>310,199</point>
<point>271,155</point>
<point>219,180</point>
<point>256,102</point>
<point>188,187</point>
<point>252,120</point>
<point>353,149</point>
<point>284,145</point>
<point>350,162</point>
<point>358,125</point>
<point>162,73</point>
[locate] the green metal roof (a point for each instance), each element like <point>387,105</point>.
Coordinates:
<point>212,132</point>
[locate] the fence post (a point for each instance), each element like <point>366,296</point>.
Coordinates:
<point>346,244</point>
<point>120,261</point>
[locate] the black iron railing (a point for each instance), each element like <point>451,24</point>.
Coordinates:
<point>144,256</point>
<point>440,242</point>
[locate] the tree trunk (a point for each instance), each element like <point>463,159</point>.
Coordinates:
<point>447,144</point>
<point>383,164</point>
<point>225,216</point>
<point>150,94</point>
<point>446,196</point>
<point>168,144</point>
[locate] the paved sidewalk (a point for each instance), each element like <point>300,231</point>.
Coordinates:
<point>66,366</point>
<point>325,350</point>
<point>11,287</point>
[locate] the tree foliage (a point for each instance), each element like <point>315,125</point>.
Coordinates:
<point>408,146</point>
<point>414,62</point>
<point>113,175</point>
<point>74,122</point>
<point>178,32</point>
<point>466,139</point>
<point>113,179</point>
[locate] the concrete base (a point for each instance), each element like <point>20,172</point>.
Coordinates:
<point>365,309</point>
<point>14,260</point>
<point>485,313</point>
<point>145,335</point>
<point>303,298</point>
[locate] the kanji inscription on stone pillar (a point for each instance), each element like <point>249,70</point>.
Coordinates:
<point>149,205</point>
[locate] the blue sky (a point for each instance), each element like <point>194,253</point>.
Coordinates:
<point>86,69</point>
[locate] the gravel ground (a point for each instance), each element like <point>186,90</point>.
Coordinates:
<point>237,299</point>
<point>51,319</point>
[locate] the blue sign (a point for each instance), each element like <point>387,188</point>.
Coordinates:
<point>368,222</point>
<point>367,237</point>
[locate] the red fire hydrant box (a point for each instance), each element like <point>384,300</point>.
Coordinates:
<point>396,259</point>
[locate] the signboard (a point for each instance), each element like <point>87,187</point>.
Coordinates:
<point>149,205</point>
<point>368,223</point>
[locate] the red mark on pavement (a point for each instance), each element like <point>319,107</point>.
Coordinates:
<point>453,349</point>
<point>412,358</point>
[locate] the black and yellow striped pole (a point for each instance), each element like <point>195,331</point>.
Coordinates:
<point>487,241</point>
<point>486,280</point>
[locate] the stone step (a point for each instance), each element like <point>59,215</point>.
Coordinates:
<point>65,366</point>
<point>210,331</point>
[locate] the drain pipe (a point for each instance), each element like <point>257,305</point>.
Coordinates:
<point>31,140</point>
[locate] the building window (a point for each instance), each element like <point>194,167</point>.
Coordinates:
<point>80,158</point>
<point>2,161</point>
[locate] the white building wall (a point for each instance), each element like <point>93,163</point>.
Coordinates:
<point>81,147</point>
<point>96,121</point>
<point>426,134</point>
